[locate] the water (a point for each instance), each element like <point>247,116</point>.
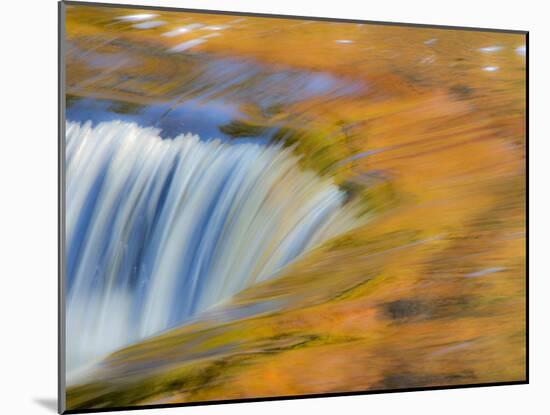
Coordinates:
<point>172,119</point>
<point>159,230</point>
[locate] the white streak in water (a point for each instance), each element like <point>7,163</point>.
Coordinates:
<point>211,35</point>
<point>483,272</point>
<point>183,30</point>
<point>491,49</point>
<point>216,28</point>
<point>149,25</point>
<point>521,50</point>
<point>187,45</point>
<point>137,17</point>
<point>158,230</point>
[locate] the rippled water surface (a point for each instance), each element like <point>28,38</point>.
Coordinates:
<point>404,147</point>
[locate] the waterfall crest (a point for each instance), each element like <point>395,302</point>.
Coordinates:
<point>158,230</point>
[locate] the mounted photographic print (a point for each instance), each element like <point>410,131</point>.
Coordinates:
<point>261,207</point>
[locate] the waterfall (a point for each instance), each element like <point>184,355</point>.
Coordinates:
<point>159,230</point>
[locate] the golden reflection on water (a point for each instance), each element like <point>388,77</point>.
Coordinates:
<point>426,126</point>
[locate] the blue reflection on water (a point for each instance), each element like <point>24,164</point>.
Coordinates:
<point>192,116</point>
<point>213,98</point>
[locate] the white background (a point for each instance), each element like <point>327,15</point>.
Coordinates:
<point>28,204</point>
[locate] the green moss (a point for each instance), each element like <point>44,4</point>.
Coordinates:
<point>315,151</point>
<point>376,197</point>
<point>360,289</point>
<point>240,128</point>
<point>125,107</point>
<point>375,243</point>
<point>70,100</point>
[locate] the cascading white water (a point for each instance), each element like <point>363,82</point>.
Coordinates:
<point>158,230</point>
